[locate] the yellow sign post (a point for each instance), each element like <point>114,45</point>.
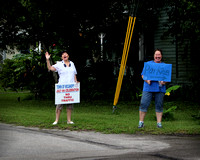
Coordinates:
<point>129,32</point>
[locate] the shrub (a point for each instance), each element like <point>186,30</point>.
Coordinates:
<point>168,114</point>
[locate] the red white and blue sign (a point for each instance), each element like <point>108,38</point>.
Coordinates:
<point>67,93</point>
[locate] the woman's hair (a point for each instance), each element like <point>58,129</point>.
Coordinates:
<point>157,49</point>
<point>61,53</point>
<point>160,53</point>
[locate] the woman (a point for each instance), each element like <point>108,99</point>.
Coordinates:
<point>150,89</point>
<point>67,74</point>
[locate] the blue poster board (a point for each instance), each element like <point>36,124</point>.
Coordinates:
<point>157,71</point>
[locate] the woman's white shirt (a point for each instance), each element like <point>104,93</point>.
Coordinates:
<point>66,74</point>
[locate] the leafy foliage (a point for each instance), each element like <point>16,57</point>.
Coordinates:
<point>28,71</point>
<point>183,19</point>
<point>76,25</point>
<point>172,88</point>
<point>196,117</point>
<point>183,25</point>
<point>28,21</point>
<point>7,75</point>
<point>168,114</point>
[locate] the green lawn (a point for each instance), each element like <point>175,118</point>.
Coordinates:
<point>96,116</point>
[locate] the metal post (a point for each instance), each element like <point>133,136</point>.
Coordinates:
<point>39,47</point>
<point>101,36</point>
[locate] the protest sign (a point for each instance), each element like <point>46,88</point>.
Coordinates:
<point>157,71</point>
<point>67,93</point>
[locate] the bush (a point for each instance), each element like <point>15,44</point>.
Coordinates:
<point>168,114</point>
<point>28,71</point>
<point>197,117</point>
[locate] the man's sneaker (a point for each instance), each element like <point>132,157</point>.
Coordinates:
<point>141,125</point>
<point>159,125</point>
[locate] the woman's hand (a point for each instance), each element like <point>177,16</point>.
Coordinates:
<point>48,62</point>
<point>148,81</point>
<point>47,55</point>
<point>162,82</point>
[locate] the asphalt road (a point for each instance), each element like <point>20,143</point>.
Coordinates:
<point>22,143</point>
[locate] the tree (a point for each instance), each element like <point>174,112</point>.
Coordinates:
<point>74,26</point>
<point>27,72</point>
<point>183,19</point>
<point>184,23</point>
<point>49,21</point>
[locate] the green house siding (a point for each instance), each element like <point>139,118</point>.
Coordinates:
<point>168,48</point>
<point>178,55</point>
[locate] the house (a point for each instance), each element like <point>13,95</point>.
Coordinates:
<point>183,68</point>
<point>8,53</point>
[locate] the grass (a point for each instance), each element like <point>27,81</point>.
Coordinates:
<point>96,116</point>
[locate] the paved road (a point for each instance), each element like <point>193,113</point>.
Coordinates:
<point>22,143</point>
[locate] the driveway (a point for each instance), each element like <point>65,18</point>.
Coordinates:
<point>25,143</point>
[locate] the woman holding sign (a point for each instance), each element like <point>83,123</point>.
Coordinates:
<point>67,75</point>
<point>152,89</point>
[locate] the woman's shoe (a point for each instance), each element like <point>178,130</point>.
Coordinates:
<point>141,125</point>
<point>54,123</point>
<point>159,125</point>
<point>70,122</point>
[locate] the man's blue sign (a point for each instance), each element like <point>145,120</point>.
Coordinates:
<point>157,71</point>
